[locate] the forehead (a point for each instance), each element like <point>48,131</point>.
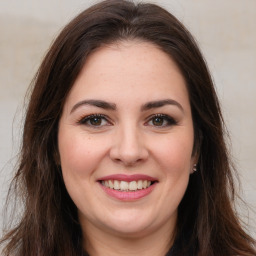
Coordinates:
<point>129,67</point>
<point>131,56</point>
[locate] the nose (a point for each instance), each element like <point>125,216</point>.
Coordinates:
<point>129,147</point>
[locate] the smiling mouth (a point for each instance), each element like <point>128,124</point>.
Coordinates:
<point>131,186</point>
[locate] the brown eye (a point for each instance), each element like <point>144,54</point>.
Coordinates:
<point>161,121</point>
<point>158,121</point>
<point>95,121</point>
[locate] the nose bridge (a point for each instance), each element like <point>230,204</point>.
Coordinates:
<point>129,146</point>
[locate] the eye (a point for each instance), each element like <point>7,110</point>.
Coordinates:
<point>95,120</point>
<point>161,120</point>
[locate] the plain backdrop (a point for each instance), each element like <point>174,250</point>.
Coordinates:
<point>225,31</point>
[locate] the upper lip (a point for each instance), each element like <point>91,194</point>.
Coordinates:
<point>128,178</point>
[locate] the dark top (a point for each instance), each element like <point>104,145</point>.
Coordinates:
<point>176,249</point>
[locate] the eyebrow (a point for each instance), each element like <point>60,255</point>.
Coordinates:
<point>112,106</point>
<point>95,103</point>
<point>161,103</point>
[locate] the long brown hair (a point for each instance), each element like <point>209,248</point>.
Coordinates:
<point>207,223</point>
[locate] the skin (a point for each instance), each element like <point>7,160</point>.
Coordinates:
<point>127,140</point>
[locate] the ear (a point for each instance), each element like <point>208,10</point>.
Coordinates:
<point>196,151</point>
<point>194,162</point>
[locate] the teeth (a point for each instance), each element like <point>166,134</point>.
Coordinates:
<point>126,186</point>
<point>139,184</point>
<point>116,184</point>
<point>111,184</point>
<point>133,185</point>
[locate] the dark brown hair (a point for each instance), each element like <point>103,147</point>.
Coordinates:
<point>207,223</point>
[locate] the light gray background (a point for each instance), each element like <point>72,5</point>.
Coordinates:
<point>225,30</point>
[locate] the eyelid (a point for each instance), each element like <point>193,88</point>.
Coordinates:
<point>82,120</point>
<point>166,118</point>
<point>171,121</point>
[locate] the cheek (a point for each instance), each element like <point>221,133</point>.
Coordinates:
<point>79,154</point>
<point>175,154</point>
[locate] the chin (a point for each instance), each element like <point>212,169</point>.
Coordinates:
<point>130,230</point>
<point>133,223</point>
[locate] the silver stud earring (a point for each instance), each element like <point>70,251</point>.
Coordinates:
<point>194,168</point>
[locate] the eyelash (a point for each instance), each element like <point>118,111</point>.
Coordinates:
<point>169,121</point>
<point>166,118</point>
<point>85,119</point>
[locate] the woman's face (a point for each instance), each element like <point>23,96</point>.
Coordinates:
<point>126,139</point>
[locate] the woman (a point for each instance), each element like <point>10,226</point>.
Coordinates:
<point>123,150</point>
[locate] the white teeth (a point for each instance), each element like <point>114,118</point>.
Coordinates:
<point>139,184</point>
<point>116,184</point>
<point>126,186</point>
<point>111,184</point>
<point>133,185</point>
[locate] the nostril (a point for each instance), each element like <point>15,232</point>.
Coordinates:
<point>131,162</point>
<point>128,147</point>
<point>128,159</point>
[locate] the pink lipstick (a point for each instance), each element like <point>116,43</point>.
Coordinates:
<point>128,187</point>
<point>128,178</point>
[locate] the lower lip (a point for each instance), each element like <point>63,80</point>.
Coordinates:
<point>128,195</point>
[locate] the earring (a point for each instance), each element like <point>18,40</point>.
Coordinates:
<point>194,168</point>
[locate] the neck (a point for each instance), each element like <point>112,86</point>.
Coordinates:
<point>156,243</point>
